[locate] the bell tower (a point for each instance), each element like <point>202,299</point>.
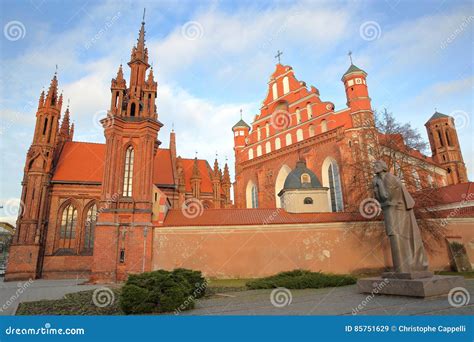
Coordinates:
<point>28,243</point>
<point>445,147</point>
<point>123,237</point>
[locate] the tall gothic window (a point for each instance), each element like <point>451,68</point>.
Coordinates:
<point>286,85</point>
<point>254,197</point>
<point>335,187</point>
<point>128,172</point>
<point>89,227</point>
<point>68,224</point>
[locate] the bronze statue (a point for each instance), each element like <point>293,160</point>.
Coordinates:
<point>408,253</point>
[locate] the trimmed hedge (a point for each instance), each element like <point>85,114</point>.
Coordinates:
<point>162,291</point>
<point>301,279</point>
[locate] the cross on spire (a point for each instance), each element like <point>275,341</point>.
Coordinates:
<point>144,10</point>
<point>278,55</point>
<point>350,56</point>
<point>240,113</point>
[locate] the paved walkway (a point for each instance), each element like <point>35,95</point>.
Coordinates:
<point>329,301</point>
<point>12,293</point>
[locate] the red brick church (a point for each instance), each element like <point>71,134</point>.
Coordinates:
<point>102,211</point>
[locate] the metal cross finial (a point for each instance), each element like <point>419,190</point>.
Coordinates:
<point>240,113</point>
<point>350,55</point>
<point>216,155</point>
<point>226,159</point>
<point>56,72</point>
<point>172,127</point>
<point>279,53</point>
<point>144,10</point>
<point>196,154</point>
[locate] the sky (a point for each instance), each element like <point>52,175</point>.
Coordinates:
<point>213,58</point>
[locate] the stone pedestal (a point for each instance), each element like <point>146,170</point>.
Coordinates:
<point>410,284</point>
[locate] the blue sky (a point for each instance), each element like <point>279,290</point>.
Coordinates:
<point>212,58</point>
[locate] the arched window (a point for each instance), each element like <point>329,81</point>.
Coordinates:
<point>332,180</point>
<point>308,200</point>
<point>324,126</point>
<point>299,134</point>
<point>274,91</point>
<point>132,109</point>
<point>277,143</point>
<point>259,150</point>
<point>309,109</point>
<point>268,147</point>
<point>251,195</point>
<point>67,231</point>
<point>280,182</point>
<point>259,134</point>
<point>267,130</point>
<point>288,139</point>
<point>251,153</point>
<point>448,140</point>
<point>430,181</point>
<point>416,180</point>
<point>311,130</point>
<point>298,116</point>
<point>128,172</point>
<point>254,197</point>
<point>440,138</point>
<point>286,85</point>
<point>89,227</point>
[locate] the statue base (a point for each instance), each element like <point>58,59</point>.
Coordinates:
<point>402,284</point>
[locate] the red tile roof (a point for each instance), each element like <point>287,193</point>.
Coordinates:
<point>454,193</point>
<point>204,169</point>
<point>84,162</point>
<point>229,217</point>
<point>163,168</point>
<point>80,162</point>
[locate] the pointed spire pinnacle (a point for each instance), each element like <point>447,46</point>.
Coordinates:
<point>141,37</point>
<point>41,99</point>
<point>64,130</point>
<point>53,89</point>
<point>350,56</point>
<point>226,176</point>
<point>196,173</point>
<point>120,73</point>
<point>151,78</point>
<point>71,132</point>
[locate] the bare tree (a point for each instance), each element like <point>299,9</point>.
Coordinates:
<point>401,147</point>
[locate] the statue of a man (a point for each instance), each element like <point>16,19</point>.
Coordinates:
<point>408,253</point>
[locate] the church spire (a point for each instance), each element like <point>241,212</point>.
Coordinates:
<point>64,130</point>
<point>139,51</point>
<point>52,96</point>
